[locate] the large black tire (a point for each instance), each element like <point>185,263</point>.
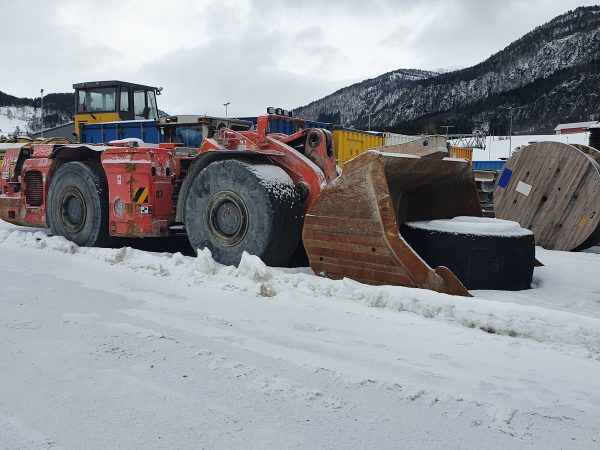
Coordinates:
<point>235,206</point>
<point>503,262</point>
<point>77,204</point>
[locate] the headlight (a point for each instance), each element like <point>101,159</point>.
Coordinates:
<point>119,207</point>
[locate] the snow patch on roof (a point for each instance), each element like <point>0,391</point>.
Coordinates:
<point>564,126</point>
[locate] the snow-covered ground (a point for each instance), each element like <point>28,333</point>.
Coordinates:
<point>498,146</point>
<point>120,348</point>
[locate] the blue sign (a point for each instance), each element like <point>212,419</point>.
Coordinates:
<point>505,178</point>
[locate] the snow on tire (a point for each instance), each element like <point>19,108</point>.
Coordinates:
<point>235,206</point>
<point>483,253</point>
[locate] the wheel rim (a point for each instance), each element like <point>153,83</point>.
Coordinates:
<point>227,218</point>
<point>73,210</point>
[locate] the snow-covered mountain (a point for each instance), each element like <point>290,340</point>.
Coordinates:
<point>17,119</point>
<point>553,72</point>
<point>22,115</point>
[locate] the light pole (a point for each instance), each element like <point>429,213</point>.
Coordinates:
<point>226,105</point>
<point>510,109</point>
<point>42,112</point>
<point>447,127</point>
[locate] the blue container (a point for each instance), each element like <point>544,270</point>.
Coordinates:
<point>98,133</point>
<point>324,125</point>
<point>488,165</point>
<point>281,126</point>
<point>286,126</point>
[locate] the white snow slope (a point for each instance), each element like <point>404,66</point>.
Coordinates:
<point>119,348</point>
<point>13,118</point>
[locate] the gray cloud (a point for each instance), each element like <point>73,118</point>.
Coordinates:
<point>201,79</point>
<point>254,53</point>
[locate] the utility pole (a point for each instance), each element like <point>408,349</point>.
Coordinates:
<point>226,105</point>
<point>370,120</point>
<point>42,112</point>
<point>510,109</point>
<point>447,127</point>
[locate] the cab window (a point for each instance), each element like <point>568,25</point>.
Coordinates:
<point>152,108</point>
<point>124,105</point>
<point>97,100</point>
<point>144,105</point>
<point>139,104</point>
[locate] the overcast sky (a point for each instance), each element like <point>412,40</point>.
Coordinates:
<point>252,53</point>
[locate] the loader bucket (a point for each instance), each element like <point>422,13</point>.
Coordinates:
<point>352,229</point>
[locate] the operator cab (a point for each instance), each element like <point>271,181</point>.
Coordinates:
<point>190,130</point>
<point>113,101</point>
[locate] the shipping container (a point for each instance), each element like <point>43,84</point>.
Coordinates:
<point>461,152</point>
<point>288,127</point>
<point>488,165</point>
<point>97,133</point>
<point>395,139</point>
<point>350,143</point>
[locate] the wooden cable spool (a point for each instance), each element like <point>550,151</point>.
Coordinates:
<point>552,189</point>
<point>588,151</point>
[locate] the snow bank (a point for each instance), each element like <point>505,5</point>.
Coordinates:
<point>37,239</point>
<point>506,313</point>
<point>533,322</point>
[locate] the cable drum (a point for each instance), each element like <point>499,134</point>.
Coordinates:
<point>590,151</point>
<point>552,189</point>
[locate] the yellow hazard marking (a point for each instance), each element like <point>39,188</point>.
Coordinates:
<point>141,195</point>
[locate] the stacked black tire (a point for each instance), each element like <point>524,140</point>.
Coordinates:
<point>503,262</point>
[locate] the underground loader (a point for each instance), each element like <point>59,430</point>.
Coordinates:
<point>248,191</point>
<point>270,194</point>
